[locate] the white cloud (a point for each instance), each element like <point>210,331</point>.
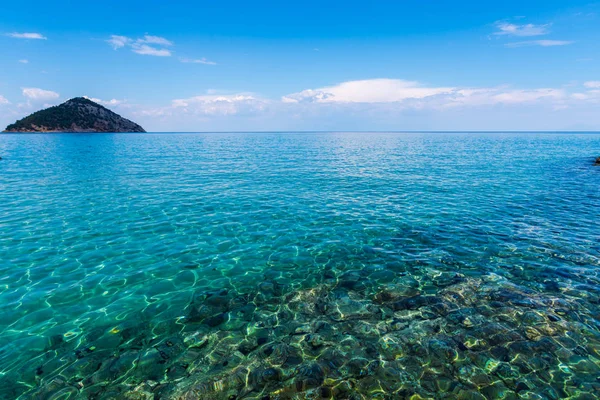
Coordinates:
<point>502,96</point>
<point>27,35</point>
<point>211,105</point>
<point>112,102</point>
<point>221,104</point>
<point>370,104</point>
<point>543,43</point>
<point>592,84</point>
<point>24,61</point>
<point>591,96</point>
<point>146,50</point>
<point>142,45</point>
<point>407,94</point>
<point>155,40</point>
<point>509,29</point>
<point>381,104</point>
<point>367,91</point>
<point>117,41</point>
<point>579,96</point>
<point>3,100</point>
<point>197,61</point>
<point>39,94</point>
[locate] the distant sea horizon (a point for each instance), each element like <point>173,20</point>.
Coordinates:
<point>335,131</point>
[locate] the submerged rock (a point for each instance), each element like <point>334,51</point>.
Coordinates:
<point>463,338</point>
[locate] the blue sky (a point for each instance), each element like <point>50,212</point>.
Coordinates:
<point>327,65</point>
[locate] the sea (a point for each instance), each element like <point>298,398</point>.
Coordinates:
<point>287,265</point>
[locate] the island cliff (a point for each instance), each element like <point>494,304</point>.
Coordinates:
<point>76,115</point>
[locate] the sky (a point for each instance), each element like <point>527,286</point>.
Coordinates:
<point>310,65</point>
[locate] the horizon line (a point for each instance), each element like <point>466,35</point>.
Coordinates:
<point>326,131</point>
<point>385,131</point>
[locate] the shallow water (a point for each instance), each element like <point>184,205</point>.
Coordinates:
<point>299,265</point>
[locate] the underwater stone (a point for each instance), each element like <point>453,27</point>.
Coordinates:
<point>532,318</point>
<point>343,390</point>
<point>390,348</point>
<point>309,376</point>
<point>470,395</point>
<point>447,278</point>
<point>276,354</point>
<point>234,322</point>
<point>351,280</point>
<point>389,293</point>
<point>215,320</point>
<point>55,341</point>
<point>357,366</point>
<point>498,390</point>
<point>443,349</point>
<point>267,288</point>
<point>262,376</point>
<point>176,371</point>
<point>196,340</point>
<point>247,345</point>
<point>392,378</point>
<point>150,365</point>
<point>322,327</point>
<point>346,308</point>
<point>532,333</point>
<point>314,340</point>
<point>414,303</point>
<point>411,351</point>
<point>331,360</point>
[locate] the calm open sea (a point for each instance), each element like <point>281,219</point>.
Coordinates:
<point>299,265</point>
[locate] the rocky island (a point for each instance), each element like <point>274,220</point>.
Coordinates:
<point>75,115</point>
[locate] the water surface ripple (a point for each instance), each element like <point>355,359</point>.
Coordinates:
<point>299,266</point>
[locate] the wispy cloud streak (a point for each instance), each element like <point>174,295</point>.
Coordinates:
<point>505,28</point>
<point>197,61</point>
<point>27,35</point>
<point>542,43</point>
<point>144,46</point>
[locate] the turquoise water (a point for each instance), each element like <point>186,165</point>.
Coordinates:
<point>299,266</point>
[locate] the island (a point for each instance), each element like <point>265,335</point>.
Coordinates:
<point>75,115</point>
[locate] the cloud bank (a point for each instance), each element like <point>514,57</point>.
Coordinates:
<point>385,103</point>
<point>409,94</point>
<point>367,104</point>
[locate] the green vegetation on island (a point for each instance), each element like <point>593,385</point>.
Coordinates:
<point>75,115</point>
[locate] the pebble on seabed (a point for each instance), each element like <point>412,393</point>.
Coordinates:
<point>475,338</point>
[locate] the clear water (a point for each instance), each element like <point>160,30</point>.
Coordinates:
<point>288,265</point>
